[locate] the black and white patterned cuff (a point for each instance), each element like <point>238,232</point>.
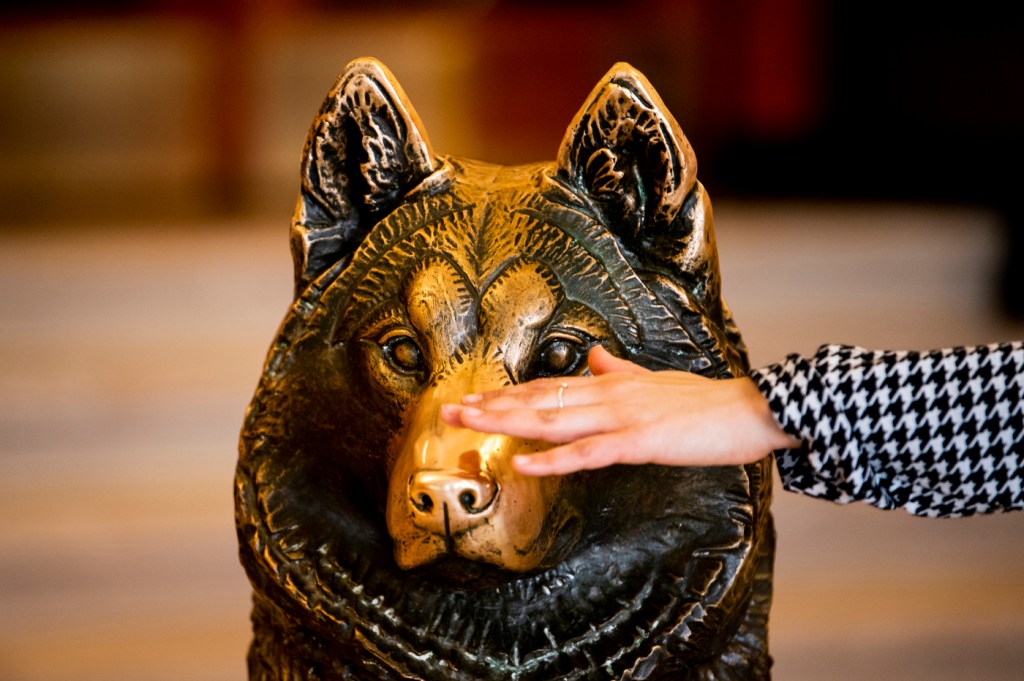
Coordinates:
<point>937,433</point>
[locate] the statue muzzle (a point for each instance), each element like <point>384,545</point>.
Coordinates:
<point>453,493</point>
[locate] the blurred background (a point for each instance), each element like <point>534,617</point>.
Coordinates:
<point>865,166</point>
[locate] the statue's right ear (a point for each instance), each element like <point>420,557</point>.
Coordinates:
<point>365,150</point>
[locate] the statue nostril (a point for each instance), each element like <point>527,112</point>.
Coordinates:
<point>467,499</point>
<point>424,503</point>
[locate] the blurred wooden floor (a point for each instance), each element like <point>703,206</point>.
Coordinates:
<point>127,357</point>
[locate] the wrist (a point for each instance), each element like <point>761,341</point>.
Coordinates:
<point>768,426</point>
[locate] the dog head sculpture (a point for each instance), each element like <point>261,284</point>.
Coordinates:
<point>384,544</point>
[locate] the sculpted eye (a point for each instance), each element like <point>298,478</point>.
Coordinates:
<point>403,353</point>
<point>560,356</point>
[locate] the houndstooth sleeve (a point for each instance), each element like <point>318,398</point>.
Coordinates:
<point>939,433</point>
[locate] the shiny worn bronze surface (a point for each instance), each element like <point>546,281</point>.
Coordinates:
<point>384,544</point>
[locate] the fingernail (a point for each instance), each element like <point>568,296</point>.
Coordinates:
<point>453,413</point>
<point>472,398</point>
<point>522,461</point>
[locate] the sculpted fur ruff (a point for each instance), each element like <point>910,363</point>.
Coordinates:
<point>383,544</point>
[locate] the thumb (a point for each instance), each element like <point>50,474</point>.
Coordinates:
<point>603,362</point>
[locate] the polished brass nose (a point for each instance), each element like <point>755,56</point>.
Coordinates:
<point>444,501</point>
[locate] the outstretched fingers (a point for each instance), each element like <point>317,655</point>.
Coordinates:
<point>544,393</point>
<point>584,454</point>
<point>551,393</point>
<point>550,425</point>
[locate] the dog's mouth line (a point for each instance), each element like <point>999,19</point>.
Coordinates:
<point>560,543</point>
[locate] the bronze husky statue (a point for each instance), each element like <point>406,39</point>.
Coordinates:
<point>383,544</point>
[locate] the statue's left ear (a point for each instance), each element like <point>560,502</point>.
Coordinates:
<point>627,153</point>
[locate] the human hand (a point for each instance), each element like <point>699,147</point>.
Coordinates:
<point>627,414</point>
